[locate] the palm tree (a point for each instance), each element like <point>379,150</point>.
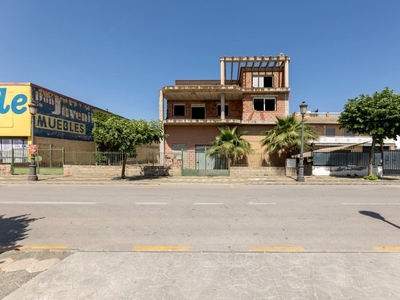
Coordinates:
<point>286,136</point>
<point>230,144</point>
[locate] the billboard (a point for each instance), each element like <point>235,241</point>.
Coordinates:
<point>61,117</point>
<point>15,118</point>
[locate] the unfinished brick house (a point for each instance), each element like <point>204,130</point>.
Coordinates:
<point>250,93</point>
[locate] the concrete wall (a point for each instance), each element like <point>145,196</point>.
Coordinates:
<point>115,171</point>
<point>345,171</point>
<point>246,172</point>
<point>108,171</point>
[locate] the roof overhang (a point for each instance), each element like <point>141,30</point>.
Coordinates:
<point>329,149</point>
<point>213,92</point>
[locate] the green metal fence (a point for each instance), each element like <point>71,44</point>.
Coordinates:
<point>193,162</point>
<point>196,162</point>
<point>48,161</point>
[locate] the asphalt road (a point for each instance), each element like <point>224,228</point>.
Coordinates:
<point>200,217</point>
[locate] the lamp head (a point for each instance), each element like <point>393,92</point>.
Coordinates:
<point>303,108</point>
<point>33,108</point>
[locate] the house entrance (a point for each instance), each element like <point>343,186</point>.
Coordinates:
<point>196,162</point>
<point>391,162</point>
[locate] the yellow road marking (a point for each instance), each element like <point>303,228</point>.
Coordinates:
<point>160,248</point>
<point>391,248</point>
<point>276,249</point>
<point>43,247</point>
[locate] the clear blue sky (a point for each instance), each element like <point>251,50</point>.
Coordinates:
<point>117,55</point>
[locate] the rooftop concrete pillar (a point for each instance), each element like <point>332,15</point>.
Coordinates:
<point>222,61</point>
<point>287,73</point>
<point>223,107</point>
<point>161,106</point>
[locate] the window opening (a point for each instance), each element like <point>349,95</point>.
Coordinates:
<point>198,112</point>
<point>348,133</point>
<point>264,104</point>
<point>219,110</point>
<point>330,131</point>
<point>179,110</point>
<point>263,81</point>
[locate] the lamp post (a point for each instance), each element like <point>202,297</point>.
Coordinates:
<point>300,173</point>
<point>32,166</point>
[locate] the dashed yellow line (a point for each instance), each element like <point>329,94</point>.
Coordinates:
<point>276,249</point>
<point>35,247</point>
<point>387,248</point>
<point>43,247</point>
<point>160,248</point>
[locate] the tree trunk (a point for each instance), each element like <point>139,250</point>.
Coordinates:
<point>124,158</point>
<point>371,155</point>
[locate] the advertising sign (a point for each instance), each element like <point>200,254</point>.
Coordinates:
<point>14,114</point>
<point>62,117</point>
<point>57,116</point>
<point>33,149</point>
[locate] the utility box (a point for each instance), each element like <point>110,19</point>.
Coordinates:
<point>291,167</point>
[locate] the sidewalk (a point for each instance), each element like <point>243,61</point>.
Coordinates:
<point>139,275</point>
<point>265,180</point>
<point>199,275</point>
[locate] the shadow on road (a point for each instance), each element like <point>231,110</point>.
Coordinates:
<point>377,216</point>
<point>13,230</point>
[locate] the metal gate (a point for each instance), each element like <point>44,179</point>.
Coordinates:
<point>49,161</point>
<point>391,162</point>
<point>196,162</point>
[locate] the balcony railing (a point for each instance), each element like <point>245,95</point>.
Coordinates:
<point>215,121</point>
<point>310,114</point>
<point>342,140</point>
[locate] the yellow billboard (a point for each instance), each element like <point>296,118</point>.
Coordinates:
<point>15,119</point>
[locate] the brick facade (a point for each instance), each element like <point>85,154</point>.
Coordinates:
<point>238,93</point>
<point>190,136</point>
<point>211,109</point>
<point>247,79</point>
<point>249,114</point>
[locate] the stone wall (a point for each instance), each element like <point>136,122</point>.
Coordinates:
<point>244,172</point>
<point>5,169</point>
<point>109,171</point>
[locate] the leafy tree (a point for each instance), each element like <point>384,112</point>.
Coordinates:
<point>286,136</point>
<point>122,135</point>
<point>377,115</point>
<point>230,144</point>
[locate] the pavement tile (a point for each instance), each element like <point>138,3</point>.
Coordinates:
<point>6,261</point>
<point>280,276</point>
<point>261,180</point>
<point>42,265</point>
<point>19,265</point>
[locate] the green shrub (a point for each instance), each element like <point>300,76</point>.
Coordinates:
<point>371,177</point>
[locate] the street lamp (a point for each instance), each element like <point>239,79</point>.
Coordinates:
<point>32,167</point>
<point>300,173</point>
